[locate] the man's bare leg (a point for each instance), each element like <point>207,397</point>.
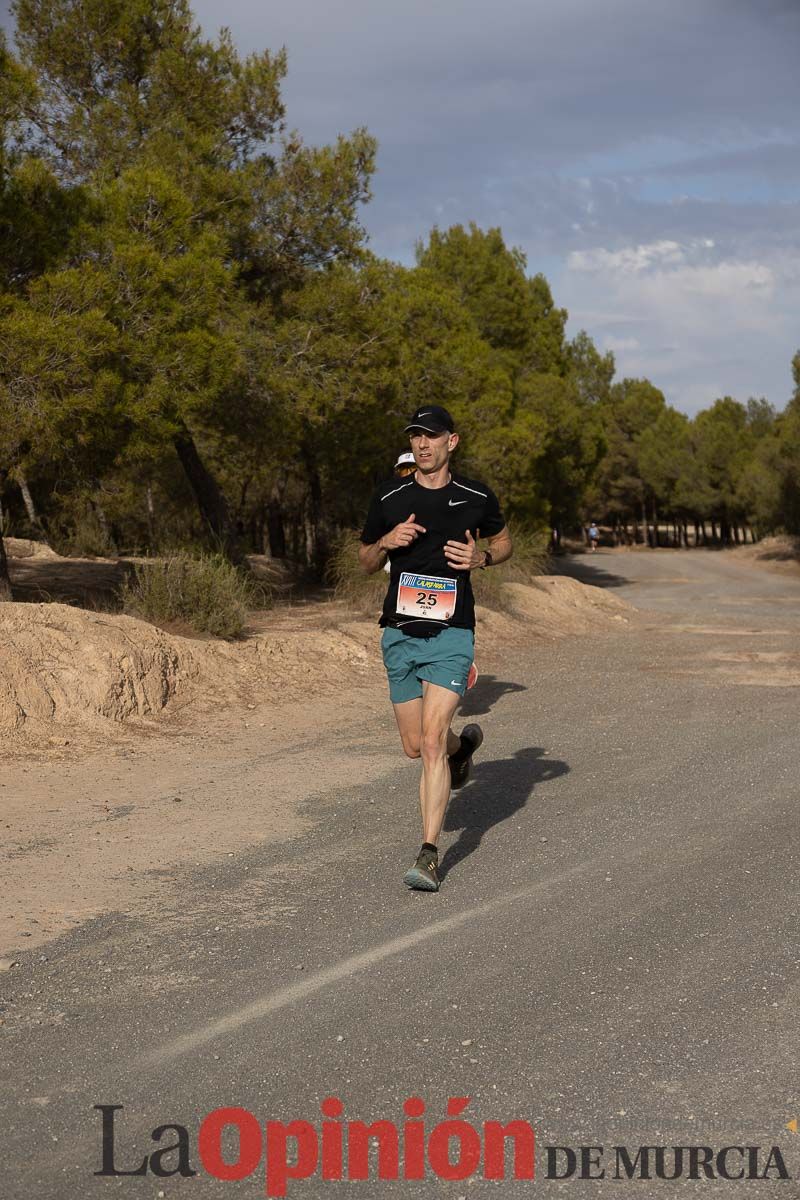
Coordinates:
<point>409,723</point>
<point>437,741</point>
<point>425,732</point>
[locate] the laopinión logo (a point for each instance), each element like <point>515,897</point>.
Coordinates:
<point>339,1150</point>
<point>232,1144</point>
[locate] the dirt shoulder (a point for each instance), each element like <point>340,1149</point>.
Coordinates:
<point>73,680</point>
<point>129,752</point>
<point>775,553</point>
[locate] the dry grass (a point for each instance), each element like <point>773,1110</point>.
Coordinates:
<point>361,593</point>
<point>206,592</point>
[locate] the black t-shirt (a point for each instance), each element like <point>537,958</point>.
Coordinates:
<point>422,582</point>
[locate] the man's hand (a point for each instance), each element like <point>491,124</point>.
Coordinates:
<point>464,557</point>
<point>373,557</point>
<point>402,535</point>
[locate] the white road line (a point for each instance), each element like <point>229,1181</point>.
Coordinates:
<point>341,970</point>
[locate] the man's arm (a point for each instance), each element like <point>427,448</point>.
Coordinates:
<point>372,555</point>
<point>371,558</point>
<point>500,546</point>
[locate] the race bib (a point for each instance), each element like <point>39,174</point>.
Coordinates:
<point>426,596</point>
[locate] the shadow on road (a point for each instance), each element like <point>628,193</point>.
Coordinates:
<point>487,691</point>
<point>500,789</point>
<point>587,572</point>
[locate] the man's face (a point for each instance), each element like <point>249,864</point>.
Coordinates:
<point>431,450</point>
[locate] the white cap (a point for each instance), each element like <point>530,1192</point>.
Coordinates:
<point>405,460</point>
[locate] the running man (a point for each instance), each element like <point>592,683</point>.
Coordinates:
<point>404,466</point>
<point>428,525</point>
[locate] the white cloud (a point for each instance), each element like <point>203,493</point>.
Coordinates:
<point>697,323</point>
<point>629,260</point>
<point>632,260</point>
<point>619,344</point>
<point>678,286</point>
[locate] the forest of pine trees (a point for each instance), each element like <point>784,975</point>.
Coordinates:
<point>198,348</point>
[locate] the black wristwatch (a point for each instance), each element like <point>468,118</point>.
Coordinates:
<point>487,560</point>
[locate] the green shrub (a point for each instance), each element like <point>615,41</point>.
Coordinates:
<point>206,592</point>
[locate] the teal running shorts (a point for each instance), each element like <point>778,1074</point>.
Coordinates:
<point>444,659</point>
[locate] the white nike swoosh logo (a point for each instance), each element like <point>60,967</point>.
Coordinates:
<point>455,683</point>
<point>453,503</point>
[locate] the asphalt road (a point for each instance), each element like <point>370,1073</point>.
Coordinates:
<point>613,956</point>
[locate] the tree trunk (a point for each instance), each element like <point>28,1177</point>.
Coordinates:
<point>102,521</point>
<point>211,502</point>
<point>30,507</point>
<point>656,540</point>
<point>644,524</point>
<point>276,531</point>
<point>316,531</point>
<point>316,534</point>
<point>151,515</point>
<point>5,579</point>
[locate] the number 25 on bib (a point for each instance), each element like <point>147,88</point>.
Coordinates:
<point>426,596</point>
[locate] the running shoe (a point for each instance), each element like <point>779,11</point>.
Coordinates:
<point>461,769</point>
<point>424,874</point>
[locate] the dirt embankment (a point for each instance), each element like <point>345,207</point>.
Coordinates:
<point>27,548</point>
<point>72,676</point>
<point>776,553</point>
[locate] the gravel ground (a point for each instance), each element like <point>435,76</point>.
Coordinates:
<point>613,956</point>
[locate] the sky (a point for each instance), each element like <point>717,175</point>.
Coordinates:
<point>642,153</point>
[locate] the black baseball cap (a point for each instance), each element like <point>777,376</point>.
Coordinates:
<point>432,419</point>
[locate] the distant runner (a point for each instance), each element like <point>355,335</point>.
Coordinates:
<point>428,525</point>
<point>405,464</point>
<point>594,536</point>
